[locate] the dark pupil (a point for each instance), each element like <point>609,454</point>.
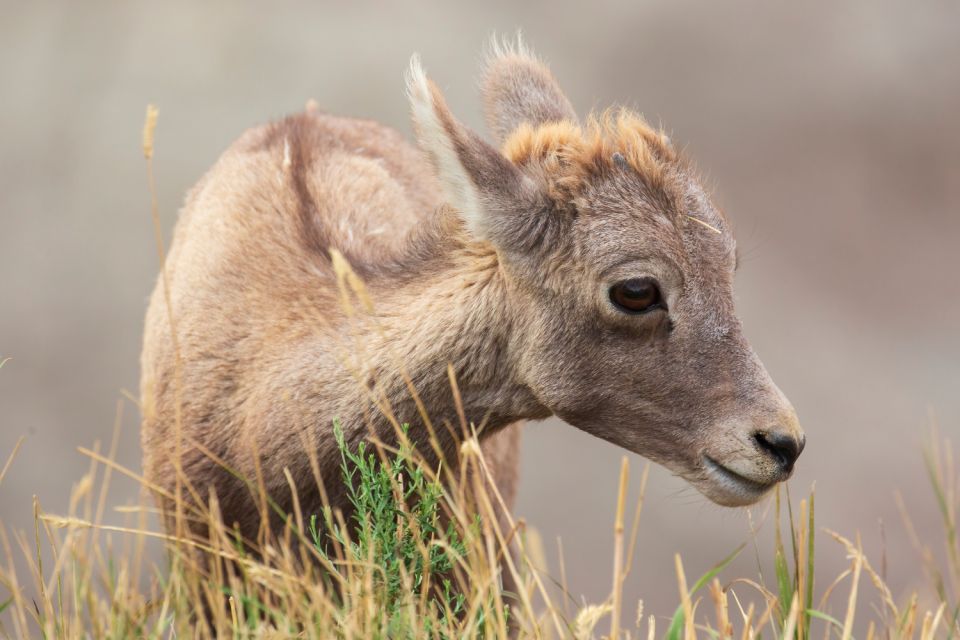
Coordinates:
<point>639,291</point>
<point>636,295</point>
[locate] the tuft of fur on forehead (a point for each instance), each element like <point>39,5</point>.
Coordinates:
<point>570,155</point>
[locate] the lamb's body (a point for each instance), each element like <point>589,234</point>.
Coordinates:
<point>579,270</point>
<point>267,355</point>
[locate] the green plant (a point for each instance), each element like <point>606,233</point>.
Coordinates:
<point>398,538</point>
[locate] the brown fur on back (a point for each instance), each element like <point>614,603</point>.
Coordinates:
<point>254,297</point>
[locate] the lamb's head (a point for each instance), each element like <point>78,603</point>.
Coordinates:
<point>621,280</point>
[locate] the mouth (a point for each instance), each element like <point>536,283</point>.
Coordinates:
<point>737,490</point>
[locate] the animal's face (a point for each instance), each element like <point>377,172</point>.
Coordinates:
<point>622,275</point>
<point>637,340</point>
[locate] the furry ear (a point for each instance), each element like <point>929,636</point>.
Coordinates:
<point>497,201</point>
<point>518,88</point>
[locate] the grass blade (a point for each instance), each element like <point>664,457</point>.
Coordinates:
<point>675,631</point>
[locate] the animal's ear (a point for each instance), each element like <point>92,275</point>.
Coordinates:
<point>497,201</point>
<point>518,88</point>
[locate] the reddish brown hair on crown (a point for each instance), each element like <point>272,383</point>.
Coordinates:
<point>571,154</point>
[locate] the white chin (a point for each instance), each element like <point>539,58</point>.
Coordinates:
<point>728,488</point>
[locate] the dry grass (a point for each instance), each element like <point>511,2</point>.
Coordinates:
<point>427,558</point>
<point>79,584</point>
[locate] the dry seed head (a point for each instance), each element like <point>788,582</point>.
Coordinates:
<point>149,126</point>
<point>588,618</point>
<point>64,522</point>
<point>80,491</point>
<point>347,278</point>
<point>470,447</point>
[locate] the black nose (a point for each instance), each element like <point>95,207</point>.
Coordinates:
<point>784,447</point>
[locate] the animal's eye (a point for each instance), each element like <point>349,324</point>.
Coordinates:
<point>637,295</point>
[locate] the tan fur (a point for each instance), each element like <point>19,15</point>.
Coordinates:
<point>496,264</point>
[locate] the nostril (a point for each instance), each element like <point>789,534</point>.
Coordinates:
<point>785,448</point>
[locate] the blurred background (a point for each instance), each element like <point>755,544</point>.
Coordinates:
<point>829,131</point>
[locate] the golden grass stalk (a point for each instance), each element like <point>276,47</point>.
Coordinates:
<point>618,568</point>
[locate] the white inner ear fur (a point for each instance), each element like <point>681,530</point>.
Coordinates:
<point>459,189</point>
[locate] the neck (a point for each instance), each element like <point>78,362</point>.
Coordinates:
<point>447,313</point>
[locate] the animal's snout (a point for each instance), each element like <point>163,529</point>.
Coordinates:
<point>783,446</point>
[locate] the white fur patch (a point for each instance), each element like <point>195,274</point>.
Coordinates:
<point>459,189</point>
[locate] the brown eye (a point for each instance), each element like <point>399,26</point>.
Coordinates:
<point>637,295</point>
